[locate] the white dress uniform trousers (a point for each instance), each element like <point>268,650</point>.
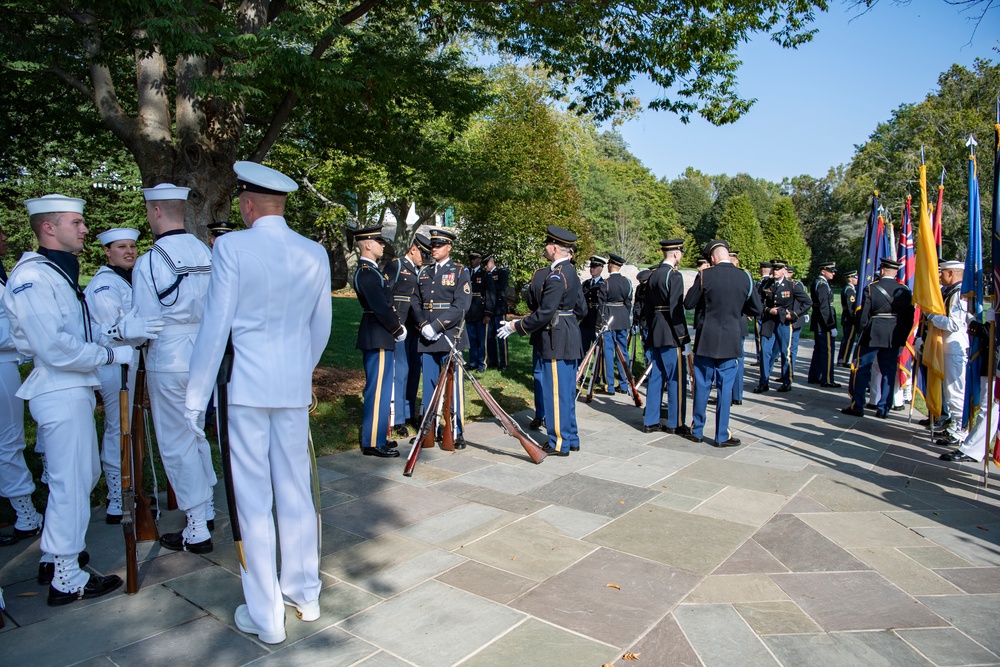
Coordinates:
<point>954,326</point>
<point>182,262</point>
<point>48,323</point>
<point>271,288</point>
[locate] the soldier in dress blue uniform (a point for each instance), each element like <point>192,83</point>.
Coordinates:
<point>727,295</point>
<point>480,311</point>
<point>217,229</point>
<point>668,340</point>
<point>640,313</point>
<point>555,335</point>
<point>617,314</point>
<point>401,274</point>
<point>765,279</point>
<point>783,306</point>
<point>445,296</point>
<point>824,327</point>
<point>413,359</point>
<point>378,335</point>
<point>848,302</point>
<point>496,349</point>
<point>595,291</point>
<point>885,321</point>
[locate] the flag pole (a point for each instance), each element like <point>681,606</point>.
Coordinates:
<point>991,373</point>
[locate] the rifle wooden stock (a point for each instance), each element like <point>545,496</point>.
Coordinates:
<point>448,430</point>
<point>128,502</point>
<point>145,524</point>
<point>581,372</point>
<point>628,375</point>
<point>426,431</point>
<point>506,422</point>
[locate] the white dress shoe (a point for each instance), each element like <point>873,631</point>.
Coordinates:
<point>243,622</point>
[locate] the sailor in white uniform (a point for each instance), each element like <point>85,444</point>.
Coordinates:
<point>50,322</point>
<point>270,290</point>
<point>109,296</point>
<point>15,479</point>
<point>170,281</point>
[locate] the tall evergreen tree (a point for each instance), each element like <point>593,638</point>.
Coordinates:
<point>740,228</point>
<point>783,237</point>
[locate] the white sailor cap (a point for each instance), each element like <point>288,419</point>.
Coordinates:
<point>253,177</point>
<point>952,265</point>
<point>54,204</point>
<point>165,191</point>
<point>118,234</point>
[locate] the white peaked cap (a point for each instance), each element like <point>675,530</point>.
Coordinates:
<point>118,234</point>
<point>165,191</point>
<point>54,204</point>
<point>264,178</point>
<point>952,265</point>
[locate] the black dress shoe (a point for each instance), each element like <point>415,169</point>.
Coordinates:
<point>95,588</point>
<point>650,429</point>
<point>682,429</point>
<point>736,402</point>
<point>956,456</point>
<point>667,429</point>
<point>881,415</point>
<point>552,451</point>
<point>713,400</point>
<point>692,437</point>
<point>391,444</point>
<point>760,389</point>
<point>871,406</point>
<point>831,385</point>
<point>785,388</point>
<point>176,542</point>
<point>400,431</point>
<point>898,408</point>
<point>732,442</point>
<point>381,452</point>
<point>853,413</point>
<point>47,571</point>
<point>18,535</point>
<point>574,448</point>
<point>459,442</point>
<point>947,441</point>
<point>535,424</point>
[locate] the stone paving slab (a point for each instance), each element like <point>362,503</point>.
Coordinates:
<point>823,540</point>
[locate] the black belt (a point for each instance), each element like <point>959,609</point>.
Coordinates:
<point>436,306</point>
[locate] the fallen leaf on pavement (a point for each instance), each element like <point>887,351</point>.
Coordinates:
<point>614,586</point>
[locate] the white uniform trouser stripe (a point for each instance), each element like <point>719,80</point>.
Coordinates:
<point>270,451</point>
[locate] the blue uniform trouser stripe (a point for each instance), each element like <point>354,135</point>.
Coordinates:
<point>611,359</point>
<point>709,372</point>
<point>665,375</point>
<point>559,389</point>
<point>377,395</point>
<point>477,343</point>
<point>400,375</point>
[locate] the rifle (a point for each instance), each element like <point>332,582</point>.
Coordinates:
<point>145,523</point>
<point>222,426</point>
<point>447,414</point>
<point>426,431</point>
<point>598,365</point>
<point>128,501</point>
<point>509,426</point>
<point>628,375</point>
<point>582,371</point>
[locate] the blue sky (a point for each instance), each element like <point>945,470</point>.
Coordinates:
<point>815,103</point>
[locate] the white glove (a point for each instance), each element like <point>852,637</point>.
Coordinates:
<point>195,420</point>
<point>124,355</point>
<point>833,333</point>
<point>427,331</point>
<point>506,330</point>
<point>687,349</point>
<point>402,336</point>
<point>918,345</point>
<point>989,315</point>
<point>132,327</point>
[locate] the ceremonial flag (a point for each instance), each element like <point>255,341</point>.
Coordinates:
<point>972,290</point>
<point>995,238</point>
<point>939,213</point>
<point>927,295</point>
<point>869,253</point>
<point>908,259</point>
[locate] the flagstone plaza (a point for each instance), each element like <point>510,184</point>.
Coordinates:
<point>822,540</point>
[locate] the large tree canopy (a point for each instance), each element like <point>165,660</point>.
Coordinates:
<point>189,86</point>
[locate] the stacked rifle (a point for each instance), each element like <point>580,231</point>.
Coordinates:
<point>593,367</point>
